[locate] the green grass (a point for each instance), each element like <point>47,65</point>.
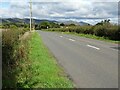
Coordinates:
<point>44,70</point>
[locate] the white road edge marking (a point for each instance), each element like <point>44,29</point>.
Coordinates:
<point>71,40</point>
<point>61,36</point>
<point>93,47</point>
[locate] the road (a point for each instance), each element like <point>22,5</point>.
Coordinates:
<point>89,63</point>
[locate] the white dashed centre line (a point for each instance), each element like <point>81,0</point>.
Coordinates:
<point>72,40</point>
<point>93,47</point>
<point>61,36</point>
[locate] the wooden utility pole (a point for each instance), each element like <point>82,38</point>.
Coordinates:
<point>30,15</point>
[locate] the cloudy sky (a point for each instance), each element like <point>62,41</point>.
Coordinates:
<point>76,10</point>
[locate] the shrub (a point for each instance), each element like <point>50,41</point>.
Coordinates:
<point>113,32</point>
<point>13,27</point>
<point>99,30</point>
<point>106,30</point>
<point>12,53</point>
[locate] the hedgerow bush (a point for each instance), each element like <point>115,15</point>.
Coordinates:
<point>12,53</point>
<point>100,30</point>
<point>113,32</point>
<point>109,31</point>
<point>106,30</point>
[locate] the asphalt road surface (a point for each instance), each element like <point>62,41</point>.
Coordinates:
<point>90,63</point>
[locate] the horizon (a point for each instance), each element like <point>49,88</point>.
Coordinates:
<point>61,21</point>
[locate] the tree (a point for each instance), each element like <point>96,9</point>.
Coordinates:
<point>105,22</point>
<point>54,25</point>
<point>13,27</point>
<point>72,25</point>
<point>62,24</point>
<point>44,25</point>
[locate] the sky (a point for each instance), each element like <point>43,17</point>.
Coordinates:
<point>91,11</point>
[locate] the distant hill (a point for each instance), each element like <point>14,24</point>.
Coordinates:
<point>70,22</point>
<point>25,20</point>
<point>37,21</point>
<point>74,22</point>
<point>83,23</point>
<point>11,20</point>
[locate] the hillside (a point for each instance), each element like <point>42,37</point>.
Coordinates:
<point>37,21</point>
<point>25,20</point>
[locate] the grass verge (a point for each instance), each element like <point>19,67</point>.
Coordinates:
<point>44,71</point>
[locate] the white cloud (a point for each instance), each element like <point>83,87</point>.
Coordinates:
<point>61,0</point>
<point>79,10</point>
